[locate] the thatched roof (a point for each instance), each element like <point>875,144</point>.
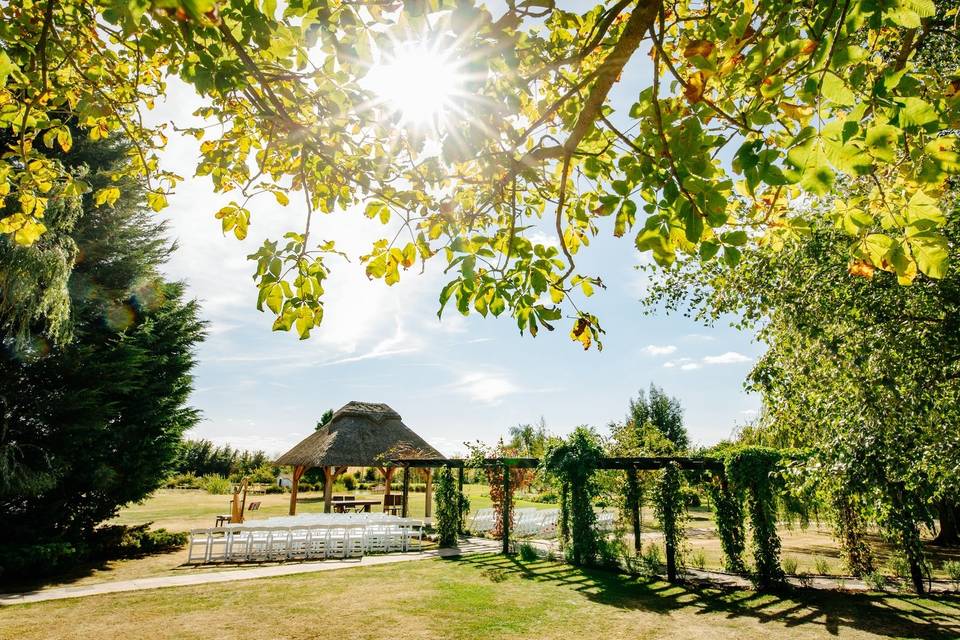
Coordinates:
<point>360,434</point>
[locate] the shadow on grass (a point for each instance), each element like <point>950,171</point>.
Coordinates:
<point>893,615</point>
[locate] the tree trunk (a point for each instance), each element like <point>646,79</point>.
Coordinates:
<point>949,534</point>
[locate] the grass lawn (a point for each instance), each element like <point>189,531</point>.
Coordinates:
<point>487,596</point>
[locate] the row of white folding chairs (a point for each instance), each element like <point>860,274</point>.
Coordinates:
<point>605,520</point>
<point>482,521</point>
<point>302,542</point>
<point>542,523</point>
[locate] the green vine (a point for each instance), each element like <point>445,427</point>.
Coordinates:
<point>670,508</point>
<point>451,508</point>
<point>728,512</point>
<point>850,531</point>
<point>752,471</point>
<point>574,464</point>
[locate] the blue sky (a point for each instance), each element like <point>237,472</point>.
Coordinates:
<point>455,380</point>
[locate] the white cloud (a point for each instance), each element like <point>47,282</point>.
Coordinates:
<point>658,350</point>
<point>486,387</point>
<point>730,357</point>
<point>698,337</point>
<point>689,364</point>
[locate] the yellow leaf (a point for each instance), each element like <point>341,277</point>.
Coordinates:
<point>157,201</point>
<point>64,139</point>
<point>581,333</point>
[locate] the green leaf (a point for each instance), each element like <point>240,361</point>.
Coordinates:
<point>836,90</point>
<point>731,255</point>
<point>882,141</point>
<point>916,112</point>
<point>931,254</point>
<point>735,238</point>
<point>6,66</point>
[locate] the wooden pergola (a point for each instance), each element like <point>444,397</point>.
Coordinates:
<point>360,434</point>
<point>630,465</point>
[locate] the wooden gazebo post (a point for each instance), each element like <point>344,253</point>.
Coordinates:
<point>327,489</point>
<point>297,474</point>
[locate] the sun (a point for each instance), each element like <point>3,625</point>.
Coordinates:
<point>419,82</point>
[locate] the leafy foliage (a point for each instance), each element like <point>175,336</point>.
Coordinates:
<point>661,411</point>
<point>574,463</point>
<point>801,96</point>
<point>452,508</point>
<point>502,502</point>
<point>670,508</point>
<point>94,423</point>
<point>202,457</point>
<point>728,513</point>
<point>325,419</point>
<point>752,470</point>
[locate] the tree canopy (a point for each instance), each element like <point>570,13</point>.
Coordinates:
<point>745,108</point>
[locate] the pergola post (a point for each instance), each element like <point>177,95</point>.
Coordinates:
<point>406,490</point>
<point>428,495</point>
<point>295,486</point>
<point>327,488</point>
<point>505,515</point>
<point>459,499</point>
<point>634,489</point>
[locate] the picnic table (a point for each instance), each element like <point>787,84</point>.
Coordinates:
<point>341,506</point>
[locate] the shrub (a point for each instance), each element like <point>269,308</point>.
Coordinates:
<point>651,559</point>
<point>183,480</point>
<point>699,560</point>
<point>106,543</point>
<point>875,581</point>
<point>806,580</point>
<point>547,497</point>
<point>822,566</point>
<point>528,553</point>
<point>120,541</point>
<point>35,560</point>
<point>789,564</point>
<point>349,483</point>
<point>264,474</point>
<point>691,497</point>
<point>900,567</point>
<point>952,567</point>
<point>217,485</point>
<point>279,489</point>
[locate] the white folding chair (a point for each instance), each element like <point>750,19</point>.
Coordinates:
<point>199,543</point>
<point>217,545</point>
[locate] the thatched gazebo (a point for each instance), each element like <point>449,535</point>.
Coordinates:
<point>360,434</point>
